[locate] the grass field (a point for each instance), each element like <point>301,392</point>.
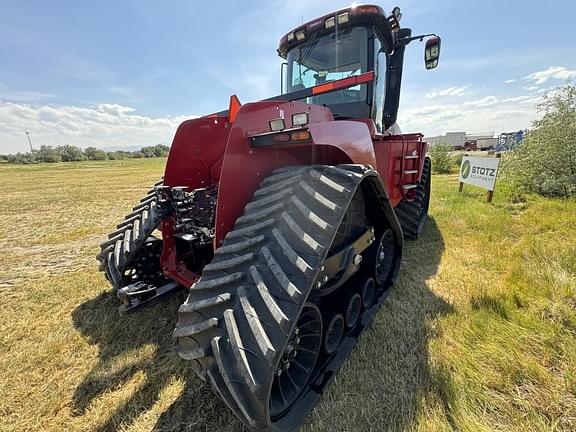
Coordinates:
<point>478,334</point>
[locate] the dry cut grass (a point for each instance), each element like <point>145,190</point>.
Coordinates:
<point>479,334</point>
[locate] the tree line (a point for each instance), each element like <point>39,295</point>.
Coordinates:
<point>70,153</point>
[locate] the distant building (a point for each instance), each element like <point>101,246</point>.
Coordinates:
<point>465,141</point>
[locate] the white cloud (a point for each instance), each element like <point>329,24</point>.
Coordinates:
<point>484,102</point>
<point>21,96</point>
<point>524,99</point>
<point>450,91</point>
<point>510,81</point>
<point>553,72</point>
<point>487,113</point>
<point>103,125</point>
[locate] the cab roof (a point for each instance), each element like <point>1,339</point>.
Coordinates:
<point>366,14</point>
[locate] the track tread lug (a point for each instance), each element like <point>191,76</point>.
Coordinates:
<point>238,349</point>
<point>238,401</point>
<point>251,206</point>
<point>229,263</point>
<point>194,329</point>
<point>266,346</point>
<point>203,284</point>
<point>304,237</point>
<point>279,274</point>
<point>290,253</point>
<point>278,185</point>
<point>327,181</point>
<point>250,230</point>
<point>261,214</point>
<point>275,311</point>
<point>319,197</point>
<point>309,214</point>
<point>240,246</point>
<point>193,354</point>
<point>205,303</point>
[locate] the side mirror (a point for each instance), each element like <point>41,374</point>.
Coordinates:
<point>432,52</point>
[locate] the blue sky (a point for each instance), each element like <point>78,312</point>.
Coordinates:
<point>111,73</point>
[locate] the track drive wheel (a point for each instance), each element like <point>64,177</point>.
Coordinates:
<point>254,324</point>
<point>412,215</point>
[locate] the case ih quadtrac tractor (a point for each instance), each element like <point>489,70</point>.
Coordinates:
<point>284,219</point>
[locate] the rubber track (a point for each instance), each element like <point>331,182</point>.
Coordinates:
<point>237,318</point>
<point>409,212</point>
<point>130,235</point>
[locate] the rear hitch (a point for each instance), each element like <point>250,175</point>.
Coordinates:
<point>141,294</point>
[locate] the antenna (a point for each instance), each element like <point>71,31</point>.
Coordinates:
<point>29,141</point>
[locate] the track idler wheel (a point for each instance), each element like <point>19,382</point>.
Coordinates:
<point>368,292</point>
<point>353,309</point>
<point>384,257</point>
<point>334,332</point>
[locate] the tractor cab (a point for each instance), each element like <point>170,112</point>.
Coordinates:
<point>362,42</point>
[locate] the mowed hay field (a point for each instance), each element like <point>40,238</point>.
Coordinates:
<point>478,334</point>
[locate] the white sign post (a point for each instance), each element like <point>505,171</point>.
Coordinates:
<point>481,172</point>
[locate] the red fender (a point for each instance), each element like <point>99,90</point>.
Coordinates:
<point>244,166</point>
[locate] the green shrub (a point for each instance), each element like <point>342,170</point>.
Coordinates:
<point>545,162</point>
<point>92,153</point>
<point>457,159</point>
<point>159,150</point>
<point>48,154</point>
<point>440,155</point>
<point>70,153</point>
<point>23,158</point>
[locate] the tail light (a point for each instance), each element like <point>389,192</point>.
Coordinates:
<point>300,136</point>
<point>287,136</point>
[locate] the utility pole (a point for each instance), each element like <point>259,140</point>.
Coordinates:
<point>29,141</point>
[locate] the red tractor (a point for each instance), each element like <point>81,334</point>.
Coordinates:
<point>284,219</point>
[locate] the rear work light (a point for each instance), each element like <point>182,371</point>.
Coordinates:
<point>343,18</point>
<point>300,35</point>
<point>299,119</point>
<point>330,22</point>
<point>290,36</point>
<point>277,125</point>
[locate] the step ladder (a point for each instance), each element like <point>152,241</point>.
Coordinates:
<point>409,165</point>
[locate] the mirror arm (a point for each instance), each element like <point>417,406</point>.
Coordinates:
<point>406,41</point>
<point>282,66</point>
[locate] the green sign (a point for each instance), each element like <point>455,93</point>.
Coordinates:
<point>465,171</point>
